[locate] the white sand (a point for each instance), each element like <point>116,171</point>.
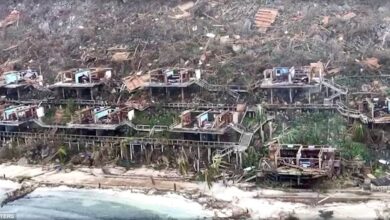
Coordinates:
<point>271,208</point>
<point>12,171</point>
<point>155,173</point>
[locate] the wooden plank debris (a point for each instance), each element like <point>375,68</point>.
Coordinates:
<point>135,81</point>
<point>120,56</point>
<point>264,18</point>
<point>181,11</point>
<point>119,53</point>
<point>11,19</point>
<point>372,63</point>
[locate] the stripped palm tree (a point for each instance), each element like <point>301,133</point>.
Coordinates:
<point>61,152</point>
<point>261,118</point>
<point>213,171</point>
<point>182,162</point>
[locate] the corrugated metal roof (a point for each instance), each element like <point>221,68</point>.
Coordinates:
<point>383,181</point>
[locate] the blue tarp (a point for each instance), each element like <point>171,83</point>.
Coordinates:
<point>13,77</point>
<point>102,112</point>
<point>204,117</point>
<point>9,111</point>
<point>281,71</point>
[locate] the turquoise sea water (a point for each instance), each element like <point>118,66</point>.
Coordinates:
<point>68,203</point>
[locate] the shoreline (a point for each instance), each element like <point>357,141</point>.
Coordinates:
<point>157,183</point>
<point>223,201</point>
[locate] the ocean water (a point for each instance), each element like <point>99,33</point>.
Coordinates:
<point>69,203</point>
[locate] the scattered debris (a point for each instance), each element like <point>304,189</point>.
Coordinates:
<point>334,71</point>
<point>181,11</point>
<point>236,48</point>
<point>120,56</point>
<point>325,214</point>
<point>225,39</point>
<point>325,21</point>
<point>348,16</point>
<point>210,35</point>
<point>119,53</point>
<point>372,63</point>
<point>317,68</point>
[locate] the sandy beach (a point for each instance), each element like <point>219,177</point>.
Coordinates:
<point>221,200</point>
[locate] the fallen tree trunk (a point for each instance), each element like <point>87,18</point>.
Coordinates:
<point>18,194</point>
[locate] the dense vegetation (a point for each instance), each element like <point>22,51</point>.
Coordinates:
<point>156,117</point>
<point>328,129</point>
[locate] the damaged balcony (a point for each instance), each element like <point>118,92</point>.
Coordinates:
<point>16,115</point>
<point>162,78</point>
<point>210,125</point>
<point>173,80</point>
<point>100,118</point>
<point>300,82</point>
<point>301,162</point>
<point>14,81</point>
<point>90,118</point>
<point>81,80</point>
<point>179,78</point>
<point>292,77</point>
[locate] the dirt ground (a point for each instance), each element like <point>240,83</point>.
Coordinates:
<point>71,33</point>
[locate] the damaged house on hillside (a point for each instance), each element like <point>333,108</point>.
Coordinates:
<point>295,80</point>
<point>15,83</point>
<point>210,125</point>
<point>377,110</point>
<point>178,82</point>
<point>301,163</point>
<point>79,83</point>
<point>171,81</point>
<point>102,119</point>
<point>17,115</point>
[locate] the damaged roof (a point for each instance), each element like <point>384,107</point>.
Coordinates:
<point>135,81</point>
<point>383,181</point>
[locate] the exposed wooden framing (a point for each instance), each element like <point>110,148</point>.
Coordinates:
<point>209,155</point>
<point>299,155</point>
<point>182,95</point>
<point>320,158</point>
<point>198,161</point>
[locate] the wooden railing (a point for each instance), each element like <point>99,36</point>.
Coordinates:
<point>299,106</point>
<point>117,139</point>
